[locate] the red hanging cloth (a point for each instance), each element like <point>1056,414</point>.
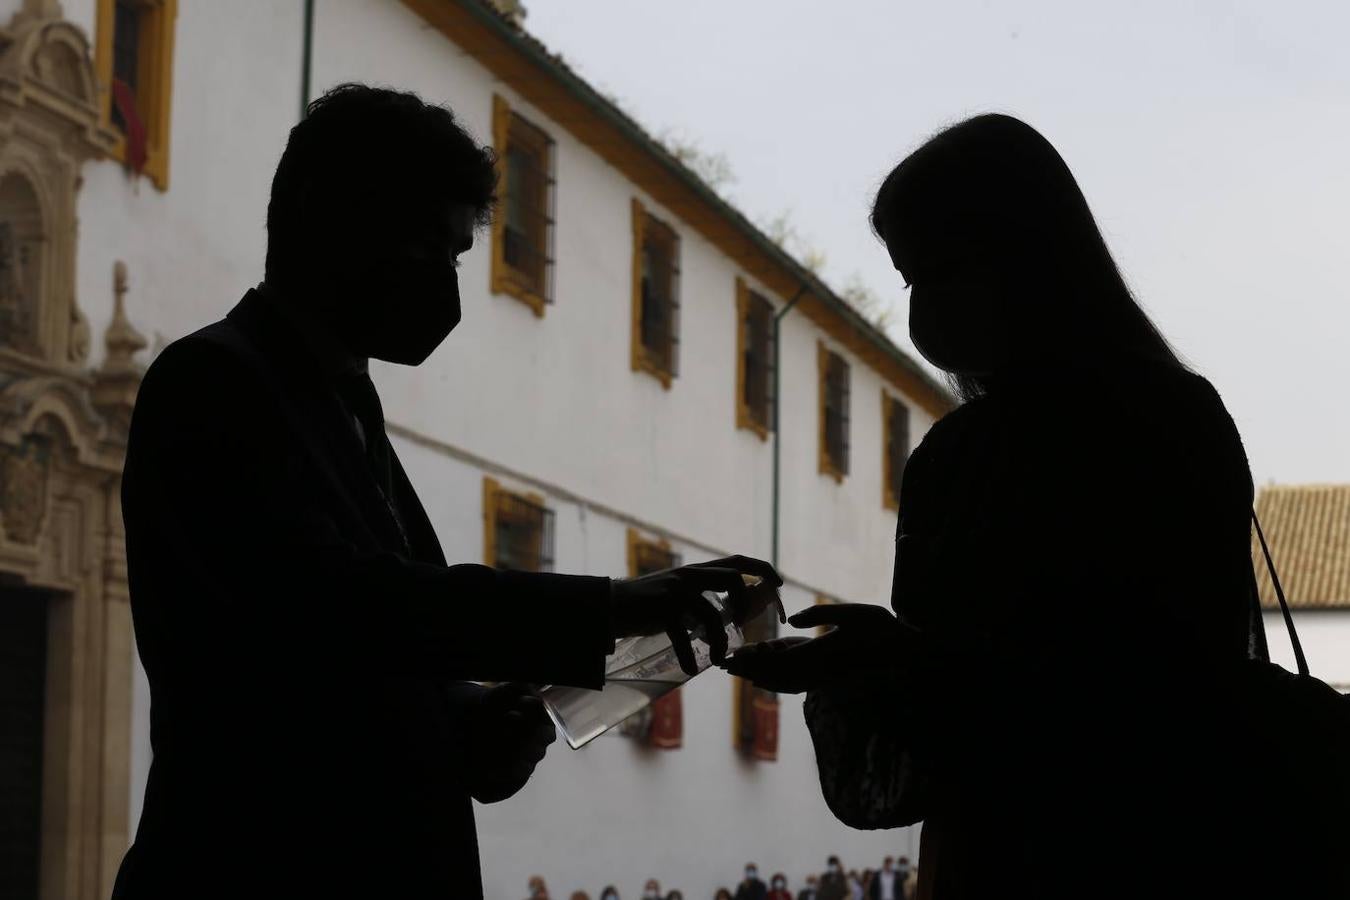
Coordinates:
<point>125,101</point>
<point>667,728</point>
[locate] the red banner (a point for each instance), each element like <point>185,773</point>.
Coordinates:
<point>667,727</point>
<point>125,101</point>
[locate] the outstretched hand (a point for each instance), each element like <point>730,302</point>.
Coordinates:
<point>672,601</point>
<point>793,665</point>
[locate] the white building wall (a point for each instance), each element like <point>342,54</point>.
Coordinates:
<point>550,400</point>
<point>1325,636</point>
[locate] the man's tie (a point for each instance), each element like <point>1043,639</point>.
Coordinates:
<point>358,393</point>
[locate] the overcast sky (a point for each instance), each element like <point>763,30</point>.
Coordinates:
<point>1211,138</point>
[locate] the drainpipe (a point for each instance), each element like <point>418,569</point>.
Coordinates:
<point>777,405</point>
<point>306,53</point>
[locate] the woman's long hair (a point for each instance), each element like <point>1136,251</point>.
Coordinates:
<point>1001,183</point>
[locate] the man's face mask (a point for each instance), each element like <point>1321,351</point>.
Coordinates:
<point>399,309</point>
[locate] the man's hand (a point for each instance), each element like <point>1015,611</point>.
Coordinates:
<point>672,601</point>
<point>793,665</point>
<point>509,733</point>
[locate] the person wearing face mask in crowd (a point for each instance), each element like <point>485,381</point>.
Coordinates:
<point>833,882</point>
<point>675,895</point>
<point>652,890</point>
<point>778,888</point>
<point>538,889</point>
<point>751,887</point>
<point>906,876</point>
<point>808,891</point>
<point>609,893</point>
<point>309,649</point>
<point>723,894</point>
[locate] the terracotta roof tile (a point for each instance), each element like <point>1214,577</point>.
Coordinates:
<point>1308,529</point>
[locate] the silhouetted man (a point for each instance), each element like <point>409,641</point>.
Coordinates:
<point>305,641</point>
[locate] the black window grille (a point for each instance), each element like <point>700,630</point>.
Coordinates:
<point>758,360</point>
<point>660,322</point>
<point>836,413</point>
<point>527,235</point>
<point>126,49</point>
<point>897,445</point>
<point>523,534</point>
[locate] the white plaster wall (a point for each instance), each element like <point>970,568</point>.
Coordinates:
<point>1325,636</point>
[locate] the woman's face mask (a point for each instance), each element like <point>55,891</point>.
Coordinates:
<point>960,305</point>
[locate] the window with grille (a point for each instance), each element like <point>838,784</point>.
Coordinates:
<point>656,296</point>
<point>660,725</point>
<point>755,710</point>
<point>522,234</point>
<point>133,58</point>
<point>895,432</point>
<point>754,361</point>
<point>834,422</point>
<point>126,50</point>
<point>518,531</point>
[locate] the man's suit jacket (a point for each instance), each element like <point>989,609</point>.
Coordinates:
<point>874,889</point>
<point>302,658</point>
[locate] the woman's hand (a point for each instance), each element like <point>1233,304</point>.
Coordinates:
<point>863,634</point>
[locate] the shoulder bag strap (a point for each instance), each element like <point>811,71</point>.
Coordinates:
<point>1284,604</point>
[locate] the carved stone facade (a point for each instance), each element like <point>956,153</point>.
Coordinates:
<point>63,429</point>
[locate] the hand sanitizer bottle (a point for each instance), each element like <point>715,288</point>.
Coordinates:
<point>640,670</point>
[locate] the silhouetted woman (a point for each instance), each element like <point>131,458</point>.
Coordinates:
<point>1073,569</point>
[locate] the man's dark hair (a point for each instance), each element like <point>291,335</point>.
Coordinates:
<point>367,159</point>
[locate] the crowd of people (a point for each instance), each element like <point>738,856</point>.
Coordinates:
<point>895,880</point>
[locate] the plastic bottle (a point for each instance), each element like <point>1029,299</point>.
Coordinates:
<point>640,670</point>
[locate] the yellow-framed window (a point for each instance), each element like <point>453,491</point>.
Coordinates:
<point>834,413</point>
<point>754,711</point>
<point>656,296</point>
<point>648,555</point>
<point>522,230</point>
<point>754,361</point>
<point>895,448</point>
<point>517,530</point>
<point>660,725</point>
<point>133,60</point>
